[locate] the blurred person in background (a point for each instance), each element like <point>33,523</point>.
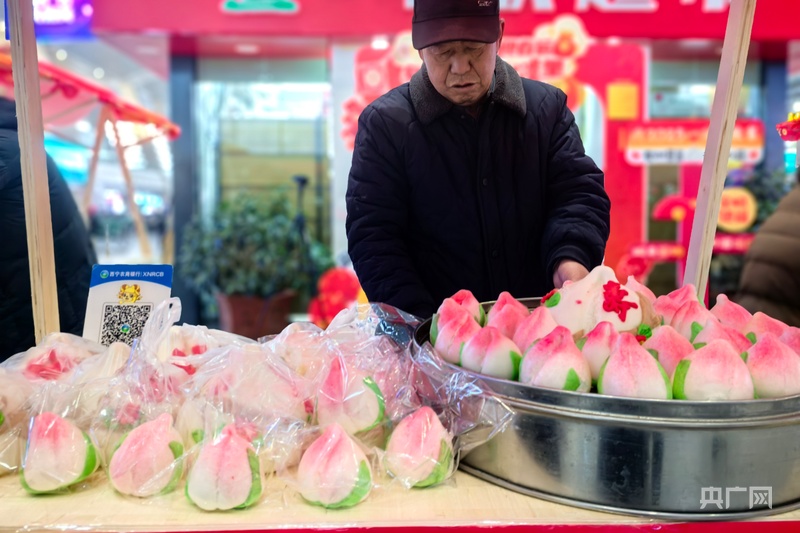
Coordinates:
<point>770,280</point>
<point>470,177</point>
<point>74,252</point>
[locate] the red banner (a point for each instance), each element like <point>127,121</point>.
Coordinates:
<point>775,20</point>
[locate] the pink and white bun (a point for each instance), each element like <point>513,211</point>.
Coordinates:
<point>334,472</point>
<point>668,305</point>
<point>227,473</point>
<point>58,454</point>
<point>631,372</point>
<point>714,330</point>
<point>791,338</point>
<point>148,461</point>
<point>579,306</point>
<point>420,450</point>
<point>669,347</point>
<point>467,300</point>
<point>713,373</point>
<point>556,363</point>
<point>689,319</point>
<point>730,313</point>
<point>350,399</point>
<point>775,368</point>
<point>761,324</point>
<point>503,301</point>
<point>492,353</point>
<point>451,328</point>
<point>536,326</point>
<point>634,285</point>
<point>598,345</point>
<point>507,320</point>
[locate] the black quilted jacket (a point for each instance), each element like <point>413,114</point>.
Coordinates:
<point>438,201</point>
<point>74,254</point>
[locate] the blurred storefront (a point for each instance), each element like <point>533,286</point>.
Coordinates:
<point>132,68</point>
<point>267,91</point>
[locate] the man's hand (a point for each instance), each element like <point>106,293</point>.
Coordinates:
<point>568,270</point>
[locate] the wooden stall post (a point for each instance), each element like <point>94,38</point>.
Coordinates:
<point>141,231</point>
<point>718,144</point>
<point>98,145</point>
<point>35,186</point>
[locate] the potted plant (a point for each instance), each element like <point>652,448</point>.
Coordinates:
<point>251,259</point>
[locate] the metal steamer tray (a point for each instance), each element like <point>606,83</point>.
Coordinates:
<point>676,460</point>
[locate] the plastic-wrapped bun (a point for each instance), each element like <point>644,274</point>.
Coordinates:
<point>351,399</point>
<point>14,393</point>
<point>59,454</point>
<point>420,451</point>
<point>334,472</point>
<point>148,460</point>
<point>227,473</point>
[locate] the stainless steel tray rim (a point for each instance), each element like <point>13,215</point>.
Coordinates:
<point>654,515</point>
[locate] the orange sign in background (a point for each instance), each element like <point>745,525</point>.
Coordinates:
<point>738,211</point>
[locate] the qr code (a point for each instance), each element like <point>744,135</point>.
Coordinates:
<point>123,323</point>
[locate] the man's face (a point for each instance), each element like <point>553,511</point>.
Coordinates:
<point>462,71</point>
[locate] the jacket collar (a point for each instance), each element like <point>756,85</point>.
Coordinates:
<point>430,105</point>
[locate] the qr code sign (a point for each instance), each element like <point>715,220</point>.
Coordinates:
<point>123,323</point>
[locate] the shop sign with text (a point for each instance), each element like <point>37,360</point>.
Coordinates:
<point>605,6</point>
<point>684,142</point>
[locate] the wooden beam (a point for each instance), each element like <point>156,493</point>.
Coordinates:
<point>718,145</point>
<point>98,145</point>
<point>141,231</point>
<point>33,160</point>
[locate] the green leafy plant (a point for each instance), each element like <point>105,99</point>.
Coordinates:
<point>251,247</point>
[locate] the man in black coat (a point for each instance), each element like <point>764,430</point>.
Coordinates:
<point>470,177</point>
<point>74,253</point>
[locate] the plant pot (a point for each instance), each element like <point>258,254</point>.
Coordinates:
<point>254,317</point>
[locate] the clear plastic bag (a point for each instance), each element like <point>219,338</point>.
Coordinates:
<point>408,419</point>
<point>53,359</point>
<point>15,393</point>
<point>140,448</point>
<point>59,453</point>
<point>249,386</point>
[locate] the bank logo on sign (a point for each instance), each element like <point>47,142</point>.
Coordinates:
<point>249,7</point>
